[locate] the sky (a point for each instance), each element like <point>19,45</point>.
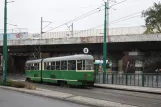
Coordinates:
<point>27,14</point>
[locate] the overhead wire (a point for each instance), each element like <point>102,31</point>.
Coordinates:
<point>84,15</point>
<point>118,3</point>
<point>87,14</point>
<point>113,22</point>
<point>79,17</point>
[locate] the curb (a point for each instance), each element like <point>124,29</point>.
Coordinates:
<point>129,88</point>
<point>69,97</point>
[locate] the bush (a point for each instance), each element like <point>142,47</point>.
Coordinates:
<point>18,84</point>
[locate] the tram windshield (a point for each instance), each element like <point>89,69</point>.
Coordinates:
<point>84,64</point>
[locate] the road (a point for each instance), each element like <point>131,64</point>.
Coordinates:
<point>126,97</point>
<point>16,99</point>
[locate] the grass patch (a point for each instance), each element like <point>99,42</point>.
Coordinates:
<point>19,84</point>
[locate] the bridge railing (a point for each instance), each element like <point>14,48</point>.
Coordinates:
<point>131,79</point>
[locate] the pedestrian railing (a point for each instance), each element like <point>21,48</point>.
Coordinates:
<point>130,79</point>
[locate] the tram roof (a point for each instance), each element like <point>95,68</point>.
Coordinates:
<point>71,57</point>
<point>34,61</point>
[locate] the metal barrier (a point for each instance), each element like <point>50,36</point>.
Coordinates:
<point>144,80</point>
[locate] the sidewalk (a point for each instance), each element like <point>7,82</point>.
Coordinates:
<point>130,88</point>
<point>69,97</point>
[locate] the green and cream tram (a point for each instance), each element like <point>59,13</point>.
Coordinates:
<point>67,70</point>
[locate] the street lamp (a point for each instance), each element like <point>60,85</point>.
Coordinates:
<point>5,43</point>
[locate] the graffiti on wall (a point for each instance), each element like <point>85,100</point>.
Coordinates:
<point>14,36</point>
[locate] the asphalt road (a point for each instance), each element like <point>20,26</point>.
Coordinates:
<point>126,97</point>
<point>16,99</point>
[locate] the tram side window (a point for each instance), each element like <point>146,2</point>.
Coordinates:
<point>44,65</point>
<point>52,65</point>
<point>36,66</point>
<point>27,66</point>
<point>32,66</point>
<point>58,65</point>
<point>89,64</point>
<point>71,65</point>
<point>63,65</point>
<point>84,65</point>
<point>79,64</point>
<point>47,65</point>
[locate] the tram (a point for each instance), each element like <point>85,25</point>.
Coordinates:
<point>77,70</point>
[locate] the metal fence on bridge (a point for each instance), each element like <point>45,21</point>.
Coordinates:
<point>143,80</point>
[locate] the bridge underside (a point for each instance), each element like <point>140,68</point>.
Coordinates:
<point>19,54</point>
<point>97,47</point>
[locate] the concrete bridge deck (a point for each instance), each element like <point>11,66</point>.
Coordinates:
<point>86,40</point>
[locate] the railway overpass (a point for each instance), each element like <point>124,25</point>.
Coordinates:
<point>58,44</point>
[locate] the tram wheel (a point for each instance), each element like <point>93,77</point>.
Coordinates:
<point>62,83</point>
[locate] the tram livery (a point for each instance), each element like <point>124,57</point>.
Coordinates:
<point>67,70</point>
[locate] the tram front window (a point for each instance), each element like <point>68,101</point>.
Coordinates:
<point>89,64</point>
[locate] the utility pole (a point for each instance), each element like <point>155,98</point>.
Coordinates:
<point>72,30</point>
<point>105,43</point>
<point>5,45</point>
<point>41,32</point>
<point>41,26</point>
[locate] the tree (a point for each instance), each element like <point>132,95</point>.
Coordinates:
<point>153,18</point>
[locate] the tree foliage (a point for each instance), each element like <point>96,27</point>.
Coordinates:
<point>153,18</point>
